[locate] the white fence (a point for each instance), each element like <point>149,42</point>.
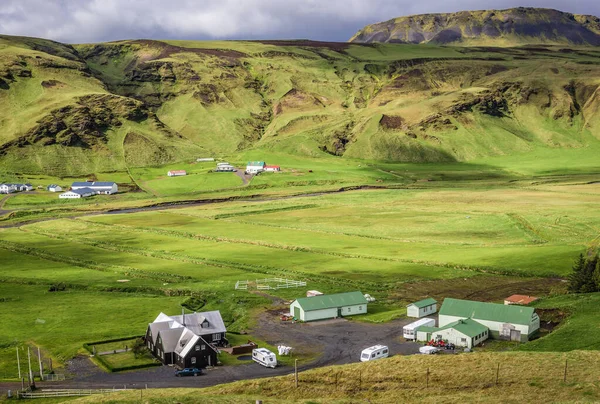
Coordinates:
<point>269,284</point>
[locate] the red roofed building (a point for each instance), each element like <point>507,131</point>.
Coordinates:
<point>176,173</point>
<point>272,168</point>
<point>520,299</point>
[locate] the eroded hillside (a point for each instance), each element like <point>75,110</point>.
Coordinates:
<point>74,110</point>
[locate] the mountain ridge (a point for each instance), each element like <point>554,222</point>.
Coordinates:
<point>508,27</point>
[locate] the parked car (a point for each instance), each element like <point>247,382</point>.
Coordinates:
<point>188,372</point>
<point>428,350</point>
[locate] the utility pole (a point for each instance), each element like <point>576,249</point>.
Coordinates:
<point>41,367</point>
<point>30,373</point>
<point>18,362</point>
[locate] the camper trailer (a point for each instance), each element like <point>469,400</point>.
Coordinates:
<point>409,331</point>
<point>264,357</point>
<point>374,352</point>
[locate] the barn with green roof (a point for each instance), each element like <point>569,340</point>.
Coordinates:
<point>324,307</point>
<point>514,323</point>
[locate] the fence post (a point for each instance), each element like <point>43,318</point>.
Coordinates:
<point>497,374</point>
<point>565,376</point>
<point>296,372</point>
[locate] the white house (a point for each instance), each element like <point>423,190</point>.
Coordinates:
<point>255,167</point>
<point>176,173</point>
<point>515,323</point>
<point>54,188</point>
<point>328,306</point>
<point>464,333</point>
<point>224,168</point>
<point>422,308</point>
<point>97,187</point>
<point>272,168</point>
<point>7,188</point>
<point>77,193</point>
<point>23,187</point>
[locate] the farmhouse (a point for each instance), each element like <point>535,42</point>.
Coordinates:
<point>188,340</point>
<point>422,308</point>
<point>54,188</point>
<point>464,333</point>
<point>7,188</point>
<point>77,193</point>
<point>272,169</point>
<point>520,299</point>
<point>23,187</point>
<point>176,173</point>
<point>323,307</point>
<point>97,187</point>
<point>515,323</point>
<point>255,167</point>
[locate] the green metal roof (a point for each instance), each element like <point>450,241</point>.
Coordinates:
<point>487,311</point>
<point>425,328</point>
<point>470,328</point>
<point>330,301</point>
<point>256,163</point>
<point>424,303</point>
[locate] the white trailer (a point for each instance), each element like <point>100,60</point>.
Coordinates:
<point>409,331</point>
<point>374,352</point>
<point>264,357</point>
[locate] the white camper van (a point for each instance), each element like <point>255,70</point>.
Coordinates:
<point>374,352</point>
<point>409,331</point>
<point>264,357</point>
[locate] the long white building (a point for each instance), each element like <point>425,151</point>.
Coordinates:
<point>98,187</point>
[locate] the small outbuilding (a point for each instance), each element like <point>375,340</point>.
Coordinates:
<point>324,307</point>
<point>77,193</point>
<point>54,188</point>
<point>255,167</point>
<point>422,308</point>
<point>520,299</point>
<point>177,173</point>
<point>97,187</point>
<point>272,168</point>
<point>224,168</point>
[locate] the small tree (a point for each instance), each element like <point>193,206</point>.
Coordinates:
<point>139,348</point>
<point>577,277</point>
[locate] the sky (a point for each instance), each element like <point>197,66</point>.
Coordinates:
<point>84,21</point>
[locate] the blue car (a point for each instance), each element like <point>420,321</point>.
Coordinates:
<point>188,372</point>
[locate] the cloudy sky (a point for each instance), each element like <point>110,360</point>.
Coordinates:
<point>78,21</point>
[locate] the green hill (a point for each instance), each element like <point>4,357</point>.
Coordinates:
<point>75,110</point>
<point>515,26</point>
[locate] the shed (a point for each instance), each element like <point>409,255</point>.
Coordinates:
<point>272,168</point>
<point>77,193</point>
<point>54,188</point>
<point>520,299</point>
<point>323,307</point>
<point>177,173</point>
<point>465,333</point>
<point>422,308</point>
<point>255,167</point>
<point>515,323</point>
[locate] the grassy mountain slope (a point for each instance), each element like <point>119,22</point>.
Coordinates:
<point>104,107</point>
<point>515,26</point>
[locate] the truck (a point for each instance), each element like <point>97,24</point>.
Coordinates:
<point>264,357</point>
<point>409,331</point>
<point>374,352</point>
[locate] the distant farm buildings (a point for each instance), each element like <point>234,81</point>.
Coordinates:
<point>188,340</point>
<point>421,308</point>
<point>257,167</point>
<point>321,307</point>
<point>89,188</point>
<point>6,188</point>
<point>204,159</point>
<point>224,167</point>
<point>177,173</point>
<point>520,299</point>
<point>54,188</point>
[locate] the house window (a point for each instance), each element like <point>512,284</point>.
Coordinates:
<point>203,347</point>
<point>349,309</point>
<point>464,340</point>
<point>359,308</point>
<point>197,347</point>
<point>193,361</point>
<point>217,337</point>
<point>158,340</point>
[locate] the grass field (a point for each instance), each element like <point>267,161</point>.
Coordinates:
<point>396,244</point>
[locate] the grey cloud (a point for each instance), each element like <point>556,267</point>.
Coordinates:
<point>78,21</point>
